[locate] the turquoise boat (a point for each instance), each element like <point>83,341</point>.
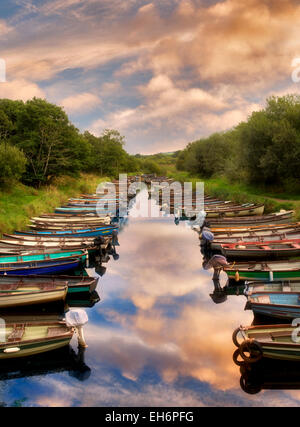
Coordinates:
<point>27,259</point>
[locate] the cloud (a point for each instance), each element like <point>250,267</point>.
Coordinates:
<point>82,102</point>
<point>165,68</point>
<point>4,28</point>
<point>20,89</point>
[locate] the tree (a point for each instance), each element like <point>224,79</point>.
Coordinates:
<point>52,145</point>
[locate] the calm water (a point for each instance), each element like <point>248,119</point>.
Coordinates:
<point>156,338</point>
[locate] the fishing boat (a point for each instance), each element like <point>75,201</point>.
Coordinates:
<point>45,245</point>
<point>280,218</point>
<point>68,227</point>
<point>59,239</point>
<point>20,293</point>
<point>44,226</point>
<point>254,230</point>
<point>280,286</point>
<point>69,220</point>
<point>267,271</point>
<point>245,210</point>
<point>48,246</point>
<point>271,341</point>
<point>282,305</point>
<point>105,204</point>
<point>27,339</point>
<point>41,267</point>
<point>90,202</point>
<point>261,250</point>
<point>55,256</point>
<point>75,284</point>
<point>217,243</point>
<point>79,232</point>
<point>41,263</point>
<point>81,210</point>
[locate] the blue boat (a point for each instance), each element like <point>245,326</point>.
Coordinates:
<point>81,232</point>
<point>283,305</point>
<point>34,268</point>
<point>83,209</point>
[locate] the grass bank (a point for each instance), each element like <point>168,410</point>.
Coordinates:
<point>241,193</point>
<point>19,202</point>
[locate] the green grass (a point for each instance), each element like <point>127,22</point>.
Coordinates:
<point>238,192</point>
<point>19,202</point>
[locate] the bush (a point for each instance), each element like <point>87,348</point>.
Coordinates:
<point>12,163</point>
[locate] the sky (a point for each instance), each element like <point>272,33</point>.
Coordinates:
<point>164,73</point>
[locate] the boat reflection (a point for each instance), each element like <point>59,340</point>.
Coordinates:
<point>220,293</point>
<point>62,360</point>
<point>83,300</point>
<point>269,374</point>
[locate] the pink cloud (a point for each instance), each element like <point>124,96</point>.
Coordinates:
<point>82,102</point>
<point>20,89</point>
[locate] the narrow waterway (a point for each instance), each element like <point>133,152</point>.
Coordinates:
<point>156,338</point>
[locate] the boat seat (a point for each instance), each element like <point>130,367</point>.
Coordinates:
<point>16,334</point>
<point>55,331</point>
<point>280,334</point>
<point>264,299</point>
<point>261,336</point>
<point>48,287</point>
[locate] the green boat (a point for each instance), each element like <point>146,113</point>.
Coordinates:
<point>267,271</point>
<point>27,339</point>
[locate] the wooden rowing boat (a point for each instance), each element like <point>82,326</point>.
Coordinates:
<point>55,256</point>
<point>71,227</point>
<point>69,220</point>
<point>279,218</point>
<point>41,267</point>
<point>267,271</point>
<point>246,210</point>
<point>27,339</point>
<point>19,293</point>
<point>76,232</point>
<point>281,305</point>
<point>261,250</point>
<point>275,286</point>
<point>271,341</point>
<point>41,263</point>
<point>255,229</point>
<point>217,243</point>
<point>58,239</point>
<point>46,245</point>
<point>88,210</point>
<point>75,284</point>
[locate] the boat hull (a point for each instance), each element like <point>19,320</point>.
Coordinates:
<point>24,299</point>
<point>40,269</point>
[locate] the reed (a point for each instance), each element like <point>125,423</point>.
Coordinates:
<point>19,203</point>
